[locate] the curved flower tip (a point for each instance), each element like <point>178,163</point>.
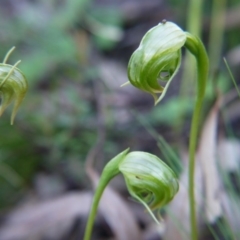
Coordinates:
<point>13,87</point>
<point>149,180</point>
<point>157,59</point>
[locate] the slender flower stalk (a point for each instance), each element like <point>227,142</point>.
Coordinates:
<point>152,67</point>
<point>149,180</point>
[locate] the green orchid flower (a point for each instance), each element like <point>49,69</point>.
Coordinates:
<point>152,68</point>
<point>13,86</point>
<point>149,180</point>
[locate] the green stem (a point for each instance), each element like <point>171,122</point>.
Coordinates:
<point>191,173</point>
<point>217,27</point>
<point>194,17</point>
<point>97,196</point>
<point>109,172</point>
<point>194,26</point>
<point>195,46</point>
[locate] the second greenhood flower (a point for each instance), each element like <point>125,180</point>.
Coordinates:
<point>149,180</point>
<point>157,59</point>
<point>13,86</point>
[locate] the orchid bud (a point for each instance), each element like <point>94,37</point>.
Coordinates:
<point>156,61</point>
<point>13,86</point>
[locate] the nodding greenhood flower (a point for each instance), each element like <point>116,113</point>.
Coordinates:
<point>149,180</point>
<point>157,59</point>
<point>13,86</point>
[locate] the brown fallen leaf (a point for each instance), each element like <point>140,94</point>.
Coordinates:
<point>229,163</point>
<point>229,154</point>
<point>50,219</point>
<point>207,158</point>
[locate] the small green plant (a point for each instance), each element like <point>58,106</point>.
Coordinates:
<point>149,180</point>
<point>13,85</point>
<point>152,68</point>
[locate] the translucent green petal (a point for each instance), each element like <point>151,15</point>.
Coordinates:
<point>13,88</point>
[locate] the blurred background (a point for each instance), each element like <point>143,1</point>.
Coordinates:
<point>74,54</point>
